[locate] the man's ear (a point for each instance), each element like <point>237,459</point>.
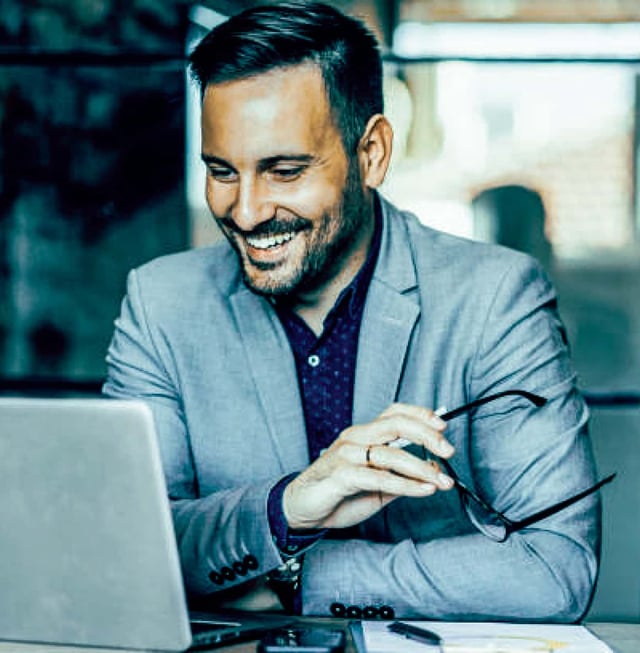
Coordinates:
<point>374,150</point>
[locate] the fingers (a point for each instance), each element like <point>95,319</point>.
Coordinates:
<point>381,458</point>
<point>403,421</point>
<point>405,464</point>
<point>385,484</point>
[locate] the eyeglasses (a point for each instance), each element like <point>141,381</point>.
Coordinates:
<point>485,518</point>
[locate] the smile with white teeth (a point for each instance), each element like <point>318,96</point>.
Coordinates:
<point>266,241</point>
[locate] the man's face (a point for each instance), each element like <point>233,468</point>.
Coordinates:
<point>279,183</point>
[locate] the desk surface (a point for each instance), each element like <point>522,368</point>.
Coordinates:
<point>621,637</point>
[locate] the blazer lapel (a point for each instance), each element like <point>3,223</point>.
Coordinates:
<point>271,364</point>
<point>382,349</point>
<point>390,316</point>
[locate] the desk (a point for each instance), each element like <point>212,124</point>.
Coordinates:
<point>622,638</point>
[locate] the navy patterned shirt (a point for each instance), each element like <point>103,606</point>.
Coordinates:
<point>326,366</point>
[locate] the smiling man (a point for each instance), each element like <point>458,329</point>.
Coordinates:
<point>293,369</point>
<point>281,186</point>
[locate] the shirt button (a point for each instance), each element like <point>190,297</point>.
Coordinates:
<point>313,360</point>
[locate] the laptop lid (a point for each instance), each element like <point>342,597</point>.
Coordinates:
<point>88,552</point>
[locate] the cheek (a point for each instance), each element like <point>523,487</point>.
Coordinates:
<point>311,200</point>
<point>219,198</point>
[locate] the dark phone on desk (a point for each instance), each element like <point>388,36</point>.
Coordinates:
<point>302,640</point>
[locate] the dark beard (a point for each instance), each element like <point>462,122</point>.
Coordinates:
<point>321,265</point>
<point>322,262</point>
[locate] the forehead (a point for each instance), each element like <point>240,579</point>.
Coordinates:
<point>282,109</point>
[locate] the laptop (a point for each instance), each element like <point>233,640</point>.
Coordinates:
<point>87,548</point>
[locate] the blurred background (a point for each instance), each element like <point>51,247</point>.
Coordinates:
<point>517,121</point>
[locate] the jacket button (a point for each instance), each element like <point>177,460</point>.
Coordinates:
<point>216,578</point>
<point>370,612</point>
<point>240,568</point>
<point>228,573</point>
<point>386,612</point>
<point>337,609</point>
<point>250,562</point>
<point>354,612</point>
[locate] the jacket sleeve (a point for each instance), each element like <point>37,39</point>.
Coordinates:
<point>520,459</point>
<point>224,538</point>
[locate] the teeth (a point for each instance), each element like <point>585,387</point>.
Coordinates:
<point>266,241</point>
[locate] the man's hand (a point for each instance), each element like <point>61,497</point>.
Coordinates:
<point>360,472</point>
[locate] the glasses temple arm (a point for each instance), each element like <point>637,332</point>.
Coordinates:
<point>533,398</point>
<point>477,498</point>
<point>552,510</point>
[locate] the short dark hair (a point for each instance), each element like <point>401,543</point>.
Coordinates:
<point>268,37</point>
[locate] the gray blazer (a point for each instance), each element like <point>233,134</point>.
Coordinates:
<point>446,321</point>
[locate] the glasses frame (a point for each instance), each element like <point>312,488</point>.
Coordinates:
<point>466,493</point>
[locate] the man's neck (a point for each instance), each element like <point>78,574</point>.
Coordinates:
<point>314,306</point>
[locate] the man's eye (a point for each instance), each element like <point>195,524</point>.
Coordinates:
<point>222,174</point>
<point>287,172</point>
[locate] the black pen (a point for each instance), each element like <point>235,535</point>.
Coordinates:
<point>416,633</point>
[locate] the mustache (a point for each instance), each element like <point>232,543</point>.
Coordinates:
<point>273,227</point>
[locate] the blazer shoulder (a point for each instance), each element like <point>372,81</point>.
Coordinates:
<point>212,265</point>
<point>437,250</point>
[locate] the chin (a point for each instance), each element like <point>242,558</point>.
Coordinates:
<point>270,285</point>
<point>273,280</point>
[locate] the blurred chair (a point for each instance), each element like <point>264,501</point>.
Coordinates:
<point>513,216</point>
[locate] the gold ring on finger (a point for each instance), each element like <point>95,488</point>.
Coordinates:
<point>368,456</point>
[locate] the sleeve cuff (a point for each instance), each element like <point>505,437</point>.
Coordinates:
<point>290,543</point>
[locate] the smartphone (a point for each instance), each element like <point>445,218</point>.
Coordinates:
<point>302,640</point>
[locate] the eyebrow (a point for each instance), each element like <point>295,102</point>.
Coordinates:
<point>209,159</point>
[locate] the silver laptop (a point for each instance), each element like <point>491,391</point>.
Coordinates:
<point>87,548</point>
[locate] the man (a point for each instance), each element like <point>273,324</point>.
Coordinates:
<point>287,366</point>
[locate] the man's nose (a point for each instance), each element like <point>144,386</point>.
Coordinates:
<point>253,204</point>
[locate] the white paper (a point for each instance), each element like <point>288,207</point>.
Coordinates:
<point>474,637</point>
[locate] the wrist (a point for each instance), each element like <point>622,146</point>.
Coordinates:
<point>277,521</point>
<point>294,522</point>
